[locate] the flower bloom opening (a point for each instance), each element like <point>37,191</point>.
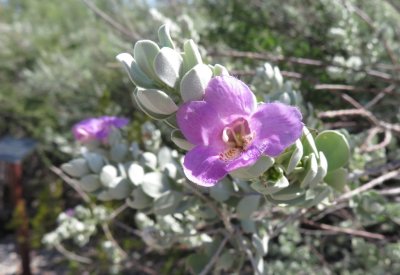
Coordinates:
<point>230,130</point>
<point>237,136</point>
<point>97,128</point>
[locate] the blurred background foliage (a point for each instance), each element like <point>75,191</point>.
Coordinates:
<point>58,67</point>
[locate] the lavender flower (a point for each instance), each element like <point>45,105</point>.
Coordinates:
<point>230,131</point>
<point>70,212</point>
<point>97,128</point>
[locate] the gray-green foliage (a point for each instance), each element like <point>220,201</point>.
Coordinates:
<point>306,174</point>
<point>151,181</point>
<point>78,224</point>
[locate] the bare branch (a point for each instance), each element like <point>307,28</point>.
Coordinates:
<point>215,257</point>
<point>117,26</point>
<point>71,182</point>
<point>369,185</point>
<point>210,203</point>
<point>70,255</point>
<point>350,231</point>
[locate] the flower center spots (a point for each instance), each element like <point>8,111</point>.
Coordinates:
<point>237,136</point>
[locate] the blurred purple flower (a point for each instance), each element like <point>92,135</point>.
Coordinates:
<point>230,131</point>
<point>70,212</point>
<point>97,128</point>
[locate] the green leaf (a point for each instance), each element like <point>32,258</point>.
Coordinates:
<point>247,206</point>
<point>145,110</point>
<point>194,83</point>
<point>164,156</point>
<point>120,188</point>
<point>311,171</point>
<point>335,147</point>
<point>167,202</point>
<point>167,66</point>
<point>180,141</point>
<point>191,55</point>
<point>108,174</point>
<point>270,186</point>
<point>104,195</point>
<point>295,157</point>
<point>155,184</point>
<point>118,152</point>
<point>149,160</point>
<point>308,143</point>
<point>136,75</point>
<point>248,226</point>
<point>286,202</point>
<point>260,244</point>
<point>136,174</point>
<point>322,170</point>
<point>225,261</point>
<point>140,200</point>
<point>145,52</point>
<point>220,70</point>
<point>255,170</point>
<point>94,161</point>
<point>288,193</point>
<point>76,168</point>
<point>337,179</point>
<point>164,37</point>
<point>196,262</point>
<point>90,183</point>
<point>156,101</point>
<point>319,194</point>
<point>222,191</point>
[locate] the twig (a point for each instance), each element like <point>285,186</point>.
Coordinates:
<point>210,203</point>
<point>271,57</point>
<point>287,74</point>
<point>341,87</point>
<point>319,256</point>
<point>369,185</point>
<point>118,211</point>
<point>317,232</point>
<point>70,255</point>
<point>370,116</point>
<point>131,35</point>
<point>215,257</point>
<point>275,232</point>
<point>71,182</point>
<point>378,170</point>
<point>341,124</point>
<point>390,191</point>
<point>339,113</point>
<point>111,238</point>
<point>365,147</point>
<point>248,253</point>
<point>127,228</point>
<point>328,210</point>
<point>349,231</point>
<point>387,90</point>
<point>362,112</point>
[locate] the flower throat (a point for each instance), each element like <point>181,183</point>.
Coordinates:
<point>237,136</point>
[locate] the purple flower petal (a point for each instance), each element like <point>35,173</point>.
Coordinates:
<point>97,128</point>
<point>230,97</point>
<point>117,122</point>
<point>203,166</point>
<point>200,124</point>
<point>276,126</point>
<point>247,158</point>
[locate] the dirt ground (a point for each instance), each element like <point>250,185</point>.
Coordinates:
<point>43,262</point>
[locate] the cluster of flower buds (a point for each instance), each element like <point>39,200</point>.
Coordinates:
<point>77,224</point>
